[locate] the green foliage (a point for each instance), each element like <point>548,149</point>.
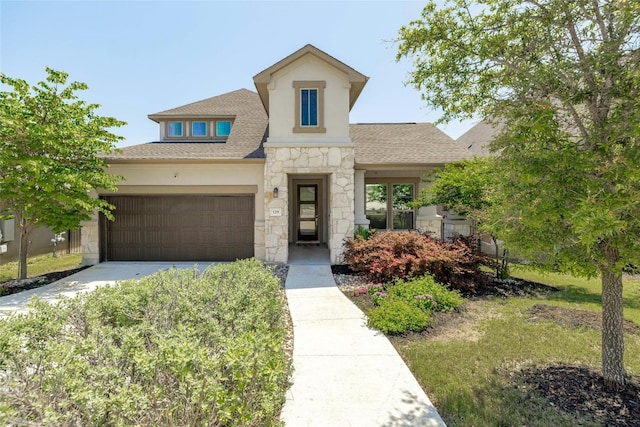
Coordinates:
<point>363,233</point>
<point>426,294</point>
<point>400,307</point>
<point>463,187</point>
<point>50,143</point>
<point>561,77</point>
<point>396,316</point>
<point>175,348</point>
<point>390,255</point>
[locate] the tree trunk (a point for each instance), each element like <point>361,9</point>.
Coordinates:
<point>612,328</point>
<point>24,245</point>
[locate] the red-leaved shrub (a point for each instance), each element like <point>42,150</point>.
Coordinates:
<point>388,255</point>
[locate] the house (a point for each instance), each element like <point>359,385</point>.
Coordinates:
<point>249,173</point>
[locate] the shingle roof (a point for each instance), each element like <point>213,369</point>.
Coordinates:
<point>477,139</point>
<point>375,144</point>
<point>404,143</point>
<point>245,141</point>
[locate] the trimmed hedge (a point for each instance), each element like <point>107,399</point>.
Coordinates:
<point>174,348</point>
<point>385,256</point>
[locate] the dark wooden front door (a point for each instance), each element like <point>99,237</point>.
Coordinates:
<point>307,212</point>
<point>179,228</point>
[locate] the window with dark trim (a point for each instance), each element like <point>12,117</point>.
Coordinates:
<point>387,205</point>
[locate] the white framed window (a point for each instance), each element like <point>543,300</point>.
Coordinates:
<point>223,128</point>
<point>175,129</point>
<point>199,129</point>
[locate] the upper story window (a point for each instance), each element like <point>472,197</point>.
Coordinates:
<point>199,129</point>
<point>309,105</point>
<point>174,129</point>
<point>223,128</point>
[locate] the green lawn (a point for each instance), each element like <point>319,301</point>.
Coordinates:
<point>41,264</point>
<point>475,382</point>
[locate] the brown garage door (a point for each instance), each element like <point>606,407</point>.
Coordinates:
<point>179,228</point>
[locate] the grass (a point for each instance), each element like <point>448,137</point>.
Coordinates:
<point>474,382</point>
<point>41,264</point>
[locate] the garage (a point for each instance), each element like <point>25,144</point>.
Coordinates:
<point>179,228</point>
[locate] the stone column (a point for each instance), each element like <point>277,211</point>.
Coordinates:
<point>90,240</point>
<point>360,215</point>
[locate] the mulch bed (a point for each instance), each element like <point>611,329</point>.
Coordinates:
<point>580,390</point>
<point>574,318</point>
<point>17,285</point>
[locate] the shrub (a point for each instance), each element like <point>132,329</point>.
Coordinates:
<point>175,348</point>
<point>362,232</point>
<point>390,255</point>
<point>426,294</point>
<point>396,316</point>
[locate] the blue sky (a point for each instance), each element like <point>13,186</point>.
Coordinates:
<point>142,57</point>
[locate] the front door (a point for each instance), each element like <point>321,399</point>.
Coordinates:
<point>307,212</point>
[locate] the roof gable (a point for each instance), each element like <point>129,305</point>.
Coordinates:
<point>479,137</point>
<point>263,78</point>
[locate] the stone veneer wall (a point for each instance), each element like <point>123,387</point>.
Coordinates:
<point>337,162</point>
<point>90,241</point>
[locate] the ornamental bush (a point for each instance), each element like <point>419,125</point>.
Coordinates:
<point>383,257</point>
<point>174,348</point>
<point>426,294</point>
<point>395,316</point>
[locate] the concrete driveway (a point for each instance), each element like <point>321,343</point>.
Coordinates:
<point>87,280</point>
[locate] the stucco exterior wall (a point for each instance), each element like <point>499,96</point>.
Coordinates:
<point>334,162</point>
<point>282,110</point>
<point>184,178</point>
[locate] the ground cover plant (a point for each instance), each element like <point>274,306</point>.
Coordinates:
<point>403,306</point>
<point>527,357</point>
<point>385,256</point>
<point>174,348</point>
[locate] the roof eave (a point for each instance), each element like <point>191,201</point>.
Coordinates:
<point>113,161</point>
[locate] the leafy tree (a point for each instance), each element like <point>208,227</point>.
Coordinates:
<point>466,188</point>
<point>562,77</point>
<point>49,164</point>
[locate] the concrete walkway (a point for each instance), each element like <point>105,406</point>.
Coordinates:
<point>345,374</point>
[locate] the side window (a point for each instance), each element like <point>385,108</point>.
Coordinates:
<point>174,129</point>
<point>223,128</point>
<point>387,206</point>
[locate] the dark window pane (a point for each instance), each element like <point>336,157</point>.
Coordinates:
<point>376,205</point>
<point>402,213</point>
